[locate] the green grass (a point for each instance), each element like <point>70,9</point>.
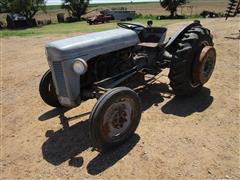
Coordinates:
<point>99,5</point>
<point>51,7</point>
<point>126,4</point>
<point>81,27</point>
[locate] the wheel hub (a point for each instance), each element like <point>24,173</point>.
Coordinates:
<point>204,65</point>
<point>117,118</point>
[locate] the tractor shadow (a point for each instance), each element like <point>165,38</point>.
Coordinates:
<point>105,160</point>
<point>185,106</point>
<point>154,94</point>
<point>68,143</point>
<point>53,113</point>
<point>157,93</point>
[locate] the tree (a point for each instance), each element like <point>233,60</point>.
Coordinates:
<point>76,8</point>
<point>4,6</point>
<point>171,5</point>
<point>27,8</point>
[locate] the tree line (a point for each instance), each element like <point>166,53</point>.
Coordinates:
<point>29,8</point>
<point>76,8</point>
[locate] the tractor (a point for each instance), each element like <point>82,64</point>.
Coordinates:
<point>106,66</point>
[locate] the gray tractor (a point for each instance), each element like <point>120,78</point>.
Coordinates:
<point>106,65</point>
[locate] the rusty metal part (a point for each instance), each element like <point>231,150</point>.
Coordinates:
<point>233,9</point>
<point>78,116</point>
<point>120,117</point>
<point>117,118</point>
<point>204,65</point>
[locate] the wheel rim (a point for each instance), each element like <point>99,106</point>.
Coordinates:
<point>208,64</point>
<point>117,119</point>
<point>204,66</point>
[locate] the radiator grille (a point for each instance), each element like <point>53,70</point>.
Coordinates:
<point>59,76</point>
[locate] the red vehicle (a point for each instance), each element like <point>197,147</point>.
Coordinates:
<point>99,19</point>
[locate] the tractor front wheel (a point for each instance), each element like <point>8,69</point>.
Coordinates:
<point>114,118</point>
<point>47,90</point>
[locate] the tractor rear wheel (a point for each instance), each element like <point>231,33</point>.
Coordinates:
<point>193,61</point>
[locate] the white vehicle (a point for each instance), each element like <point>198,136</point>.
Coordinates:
<point>121,14</point>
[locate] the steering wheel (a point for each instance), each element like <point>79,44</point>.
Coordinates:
<point>131,26</point>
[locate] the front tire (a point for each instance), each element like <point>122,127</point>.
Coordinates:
<point>114,118</point>
<point>185,53</point>
<point>47,90</point>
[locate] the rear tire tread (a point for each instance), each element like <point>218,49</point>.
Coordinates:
<point>186,49</point>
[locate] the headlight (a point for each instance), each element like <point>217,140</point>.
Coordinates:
<point>80,66</point>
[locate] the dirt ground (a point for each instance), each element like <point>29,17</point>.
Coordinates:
<point>191,138</point>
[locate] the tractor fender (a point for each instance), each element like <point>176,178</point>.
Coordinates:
<point>180,33</point>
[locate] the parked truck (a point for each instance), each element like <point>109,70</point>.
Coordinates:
<point>99,19</point>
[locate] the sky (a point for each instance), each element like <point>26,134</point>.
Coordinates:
<point>55,2</point>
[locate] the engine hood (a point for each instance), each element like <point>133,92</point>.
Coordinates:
<point>91,45</point>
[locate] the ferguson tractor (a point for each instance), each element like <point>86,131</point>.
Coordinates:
<point>103,65</point>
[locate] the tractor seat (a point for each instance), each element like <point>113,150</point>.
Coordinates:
<point>153,35</point>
